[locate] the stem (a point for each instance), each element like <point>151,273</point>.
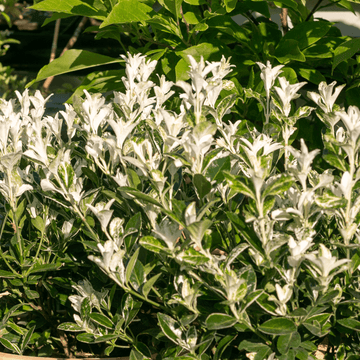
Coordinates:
<point>68,46</point>
<point>1,252</point>
<point>313,10</point>
<point>250,16</point>
<point>284,22</point>
<point>132,292</point>
<point>18,236</point>
<point>267,114</point>
<point>76,208</point>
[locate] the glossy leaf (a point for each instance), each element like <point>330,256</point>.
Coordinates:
<point>350,323</point>
<point>277,185</point>
<point>45,268</point>
<point>279,326</point>
<point>193,257</point>
<point>202,185</point>
<point>285,342</point>
<point>170,327</point>
<point>217,321</point>
<point>73,7</point>
<point>102,320</point>
<point>73,60</point>
<point>10,346</point>
<point>70,327</point>
<point>131,264</point>
<point>197,229</point>
<point>152,244</point>
<point>149,284</point>
<point>345,51</point>
<point>86,338</point>
<point>308,32</point>
<point>287,50</point>
<point>8,274</point>
<point>27,337</point>
<point>127,11</point>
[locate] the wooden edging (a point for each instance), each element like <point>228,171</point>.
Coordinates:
<point>4,356</point>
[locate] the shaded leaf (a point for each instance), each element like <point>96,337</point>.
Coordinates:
<point>280,326</point>
<point>220,321</point>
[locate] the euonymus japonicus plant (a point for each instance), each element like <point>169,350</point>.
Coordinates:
<point>180,234</point>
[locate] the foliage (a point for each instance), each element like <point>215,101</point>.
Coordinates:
<point>170,30</point>
<point>185,235</point>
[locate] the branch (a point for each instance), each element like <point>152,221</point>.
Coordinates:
<point>284,22</point>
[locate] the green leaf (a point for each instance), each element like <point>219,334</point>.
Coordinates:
<point>38,222</point>
<point>73,60</point>
<point>223,344</point>
<point>99,82</point>
<point>330,201</point>
<point>72,7</point>
<point>202,186</point>
<point>133,179</point>
<point>91,174</point>
<point>288,4</point>
<point>152,244</point>
<point>70,327</point>
<point>285,342</point>
<point>287,50</point>
<point>130,308</point>
<point>218,321</point>
<point>240,184</point>
<point>31,294</point>
<point>230,5</point>
<point>137,277</point>
<point>252,346</point>
<point>204,49</point>
<point>149,284</point>
<point>215,170</point>
<point>12,347</point>
<point>102,320</point>
<point>127,11</point>
<point>193,257</point>
<point>86,338</point>
<point>225,104</point>
<point>85,309</point>
<point>8,274</point>
<point>27,337</point>
<point>350,324</point>
<point>45,268</point>
<point>197,229</point>
<point>174,6</point>
<point>139,195</point>
<point>131,264</point>
<point>6,317</point>
<point>345,51</point>
<point>16,328</point>
<point>246,232</point>
<point>170,327</point>
<point>277,185</point>
<point>336,161</point>
<point>318,51</point>
<point>280,326</point>
<point>312,75</point>
<point>105,338</point>
<point>315,328</point>
<point>308,32</point>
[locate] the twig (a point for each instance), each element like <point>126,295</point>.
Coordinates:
<point>313,10</point>
<point>284,21</point>
<point>68,46</point>
<point>251,17</point>
<point>55,40</point>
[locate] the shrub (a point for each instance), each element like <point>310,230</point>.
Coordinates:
<point>214,239</point>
